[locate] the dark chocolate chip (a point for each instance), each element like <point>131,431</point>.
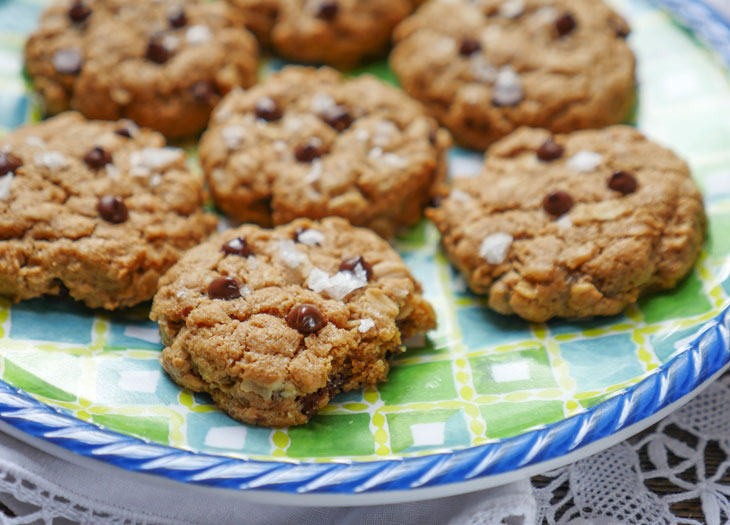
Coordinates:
<point>267,109</point>
<point>79,12</point>
<point>9,163</point>
<point>112,209</point>
<point>557,203</point>
<point>310,150</point>
<point>623,182</point>
<point>550,150</point>
<point>338,118</point>
<point>565,24</point>
<point>156,50</point>
<point>62,289</point>
<point>310,402</point>
<point>124,132</point>
<point>349,265</point>
<point>327,10</point>
<point>305,318</point>
<point>97,158</point>
<point>469,46</point>
<point>226,288</point>
<point>238,246</point>
<point>67,61</point>
<point>432,136</point>
<point>176,17</point>
<point>204,92</point>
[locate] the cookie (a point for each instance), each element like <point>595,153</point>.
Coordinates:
<point>308,143</point>
<point>576,225</point>
<point>336,32</point>
<point>273,323</point>
<point>162,64</point>
<point>97,210</point>
<point>487,67</point>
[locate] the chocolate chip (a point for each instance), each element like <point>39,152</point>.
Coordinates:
<point>9,163</point>
<point>565,24</point>
<point>97,158</point>
<point>349,265</point>
<point>176,17</point>
<point>557,203</point>
<point>67,61</point>
<point>238,246</point>
<point>267,109</point>
<point>469,46</point>
<point>62,289</point>
<point>327,10</point>
<point>338,117</point>
<point>203,92</point>
<point>79,12</point>
<point>112,209</point>
<point>226,288</point>
<point>309,151</point>
<point>310,402</point>
<point>432,136</point>
<point>623,182</point>
<point>124,132</point>
<point>305,318</point>
<point>156,50</point>
<point>550,150</point>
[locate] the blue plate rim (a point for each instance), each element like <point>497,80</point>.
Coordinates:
<point>698,361</point>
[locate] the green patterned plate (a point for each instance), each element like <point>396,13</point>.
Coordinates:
<point>480,378</point>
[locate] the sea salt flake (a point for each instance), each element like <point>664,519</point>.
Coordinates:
<point>35,142</point>
<point>384,133</point>
<point>5,186</point>
<point>321,103</point>
<point>375,153</point>
<point>494,247</point>
<point>155,180</point>
<point>150,159</point>
<point>585,161</point>
<point>460,195</point>
<point>245,290</point>
<point>362,135</point>
<point>340,285</point>
<point>198,34</point>
<point>365,325</point>
<point>233,136</point>
<point>52,160</point>
<point>315,172</point>
<point>112,171</point>
<point>170,42</point>
<point>394,161</point>
<point>511,8</point>
<point>288,253</point>
<point>507,88</point>
<point>311,237</point>
<point>564,222</point>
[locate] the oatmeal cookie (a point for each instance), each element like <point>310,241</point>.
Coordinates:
<point>98,210</point>
<point>308,143</point>
<point>164,64</point>
<point>273,323</point>
<point>487,67</point>
<point>574,225</point>
<point>336,32</point>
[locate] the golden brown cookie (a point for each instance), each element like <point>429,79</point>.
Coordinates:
<point>336,32</point>
<point>573,226</point>
<point>163,64</point>
<point>98,210</point>
<point>273,323</point>
<point>486,67</point>
<point>308,143</point>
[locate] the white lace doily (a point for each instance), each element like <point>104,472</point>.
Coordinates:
<point>615,487</point>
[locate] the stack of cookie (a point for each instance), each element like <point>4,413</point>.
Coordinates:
<point>272,323</point>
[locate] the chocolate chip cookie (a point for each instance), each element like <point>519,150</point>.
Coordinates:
<point>162,64</point>
<point>574,225</point>
<point>337,32</point>
<point>97,210</point>
<point>486,67</point>
<point>273,323</point>
<point>308,143</point>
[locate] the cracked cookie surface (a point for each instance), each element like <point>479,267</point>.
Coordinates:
<point>98,210</point>
<point>487,67</point>
<point>273,323</point>
<point>308,143</point>
<point>574,226</point>
<point>336,32</point>
<point>163,64</point>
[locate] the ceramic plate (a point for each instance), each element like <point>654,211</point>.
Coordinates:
<point>482,399</point>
